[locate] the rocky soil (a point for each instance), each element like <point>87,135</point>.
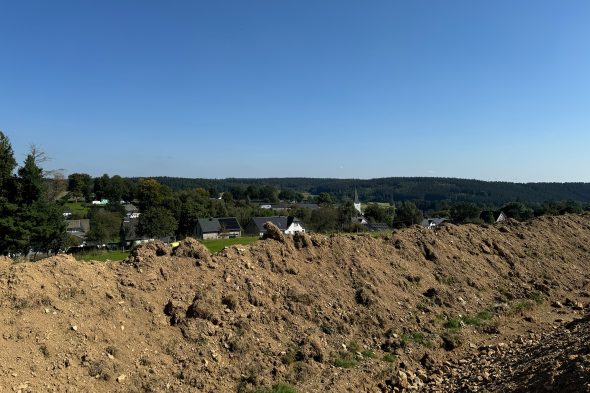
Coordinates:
<point>463,308</point>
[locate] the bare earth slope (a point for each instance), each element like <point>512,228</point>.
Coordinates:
<point>341,313</point>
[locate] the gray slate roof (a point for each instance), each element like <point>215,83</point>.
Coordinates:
<point>436,221</point>
<point>216,225</point>
<point>82,225</point>
<point>130,208</point>
<point>282,222</point>
<point>377,226</point>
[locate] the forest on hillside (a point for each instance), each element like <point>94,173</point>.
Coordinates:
<point>395,189</point>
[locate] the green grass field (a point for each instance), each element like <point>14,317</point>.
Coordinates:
<point>102,255</point>
<point>79,209</point>
<point>218,244</point>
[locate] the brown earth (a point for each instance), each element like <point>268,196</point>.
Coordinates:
<point>416,310</point>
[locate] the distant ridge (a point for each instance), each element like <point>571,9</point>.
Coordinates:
<point>403,188</point>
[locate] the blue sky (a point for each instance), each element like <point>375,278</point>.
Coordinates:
<point>493,90</point>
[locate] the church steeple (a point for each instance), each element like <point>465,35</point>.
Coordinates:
<point>357,204</point>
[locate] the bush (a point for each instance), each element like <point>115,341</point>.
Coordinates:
<point>389,358</point>
<point>345,362</point>
<point>278,388</point>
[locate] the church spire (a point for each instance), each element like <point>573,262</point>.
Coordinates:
<point>357,204</point>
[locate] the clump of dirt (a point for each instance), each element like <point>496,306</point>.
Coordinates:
<point>191,248</point>
<point>273,232</point>
<point>5,262</point>
<point>302,240</point>
<point>319,313</point>
<point>147,252</point>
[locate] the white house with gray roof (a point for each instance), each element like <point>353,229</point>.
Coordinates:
<point>288,225</point>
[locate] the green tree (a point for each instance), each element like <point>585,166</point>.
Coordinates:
<point>407,214</point>
<point>7,165</point>
<point>43,228</point>
<point>325,198</point>
<point>101,187</point>
<point>104,226</point>
<point>571,207</point>
<point>156,222</point>
<point>228,198</point>
<point>324,219</point>
<point>202,192</point>
<point>287,195</point>
<point>80,185</point>
<point>464,212</point>
<point>488,217</point>
<point>116,189</point>
<point>31,183</point>
<point>8,206</point>
<point>269,194</point>
<point>29,220</point>
<point>376,213</point>
<point>193,206</point>
<point>150,193</point>
<point>346,212</point>
<point>41,223</point>
<point>517,210</point>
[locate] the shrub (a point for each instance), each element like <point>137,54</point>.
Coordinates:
<point>388,357</point>
<point>345,362</point>
<point>416,338</point>
<point>278,388</point>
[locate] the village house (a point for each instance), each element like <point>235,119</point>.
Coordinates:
<point>288,225</point>
<point>130,237</point>
<point>78,229</point>
<point>131,210</point>
<point>491,217</point>
<point>376,226</point>
<point>287,206</point>
<point>431,223</point>
<point>218,228</point>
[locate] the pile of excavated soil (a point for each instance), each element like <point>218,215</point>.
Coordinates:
<point>338,313</point>
<point>557,361</point>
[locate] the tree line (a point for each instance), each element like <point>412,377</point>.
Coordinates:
<point>29,218</point>
<point>428,190</point>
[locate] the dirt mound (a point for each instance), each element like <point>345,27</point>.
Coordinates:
<point>144,254</point>
<point>338,313</point>
<point>555,361</point>
<point>5,262</point>
<point>191,248</point>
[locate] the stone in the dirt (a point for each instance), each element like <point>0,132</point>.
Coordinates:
<point>402,379</point>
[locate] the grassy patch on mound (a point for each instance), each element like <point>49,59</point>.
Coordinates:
<point>278,388</point>
<point>219,244</point>
<point>478,319</point>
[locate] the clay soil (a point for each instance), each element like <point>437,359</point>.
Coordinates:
<point>461,308</point>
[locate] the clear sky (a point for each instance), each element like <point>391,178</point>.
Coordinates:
<point>493,90</point>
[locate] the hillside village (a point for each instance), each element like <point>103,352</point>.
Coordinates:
<point>213,228</point>
<point>43,215</point>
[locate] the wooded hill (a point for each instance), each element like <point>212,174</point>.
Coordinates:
<point>403,188</point>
